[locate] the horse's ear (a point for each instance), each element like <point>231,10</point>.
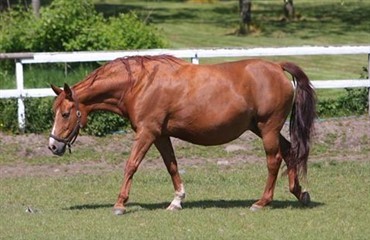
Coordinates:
<point>56,89</point>
<point>68,91</point>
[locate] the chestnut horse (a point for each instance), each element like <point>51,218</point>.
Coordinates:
<point>163,97</point>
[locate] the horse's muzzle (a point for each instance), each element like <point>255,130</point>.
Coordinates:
<point>56,147</point>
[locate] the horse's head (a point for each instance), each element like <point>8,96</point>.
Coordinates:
<point>68,119</point>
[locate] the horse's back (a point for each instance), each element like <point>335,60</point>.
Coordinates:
<point>257,85</point>
<point>214,104</point>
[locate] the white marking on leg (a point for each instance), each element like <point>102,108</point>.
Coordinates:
<point>179,196</point>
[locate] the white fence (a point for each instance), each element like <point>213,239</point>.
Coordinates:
<point>193,54</point>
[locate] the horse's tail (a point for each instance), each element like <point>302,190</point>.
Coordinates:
<point>302,118</point>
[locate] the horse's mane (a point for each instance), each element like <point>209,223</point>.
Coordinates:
<point>141,60</point>
<point>127,61</point>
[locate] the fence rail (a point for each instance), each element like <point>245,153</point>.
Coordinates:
<point>194,54</point>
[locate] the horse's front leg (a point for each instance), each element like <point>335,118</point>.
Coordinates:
<point>142,143</point>
<point>165,148</point>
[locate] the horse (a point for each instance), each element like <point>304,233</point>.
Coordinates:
<point>209,104</point>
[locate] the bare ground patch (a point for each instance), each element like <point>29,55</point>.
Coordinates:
<point>345,139</point>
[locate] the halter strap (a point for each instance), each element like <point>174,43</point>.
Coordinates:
<point>71,138</point>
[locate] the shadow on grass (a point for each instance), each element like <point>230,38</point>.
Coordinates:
<point>204,204</point>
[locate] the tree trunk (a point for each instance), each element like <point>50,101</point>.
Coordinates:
<point>245,7</point>
<point>36,7</point>
<point>4,4</point>
<point>289,9</point>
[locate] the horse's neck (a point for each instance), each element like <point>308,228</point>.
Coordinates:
<point>104,95</point>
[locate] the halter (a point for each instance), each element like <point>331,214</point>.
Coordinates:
<point>71,138</point>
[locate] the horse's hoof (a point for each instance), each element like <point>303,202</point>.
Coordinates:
<point>119,211</point>
<point>305,198</point>
<point>174,207</point>
<point>255,208</point>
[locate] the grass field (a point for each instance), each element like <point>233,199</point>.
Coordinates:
<point>73,195</point>
<point>79,207</point>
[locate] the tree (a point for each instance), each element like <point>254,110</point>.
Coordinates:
<point>36,7</point>
<point>245,7</point>
<point>289,9</point>
<point>4,4</point>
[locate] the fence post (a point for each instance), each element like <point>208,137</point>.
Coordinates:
<point>195,59</point>
<point>20,88</point>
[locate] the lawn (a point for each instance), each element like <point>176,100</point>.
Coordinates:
<point>72,196</point>
<point>218,197</point>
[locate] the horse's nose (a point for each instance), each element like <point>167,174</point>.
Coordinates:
<point>57,148</point>
<point>52,148</point>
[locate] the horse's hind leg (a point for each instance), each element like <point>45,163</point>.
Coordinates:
<point>274,158</point>
<point>294,186</point>
<point>165,148</point>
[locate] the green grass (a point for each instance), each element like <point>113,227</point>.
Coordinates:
<point>186,24</point>
<point>79,207</point>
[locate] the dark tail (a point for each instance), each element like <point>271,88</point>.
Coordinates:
<point>302,117</point>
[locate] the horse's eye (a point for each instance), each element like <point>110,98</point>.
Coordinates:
<point>65,114</point>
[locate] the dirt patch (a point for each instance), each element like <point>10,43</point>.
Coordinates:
<point>335,140</point>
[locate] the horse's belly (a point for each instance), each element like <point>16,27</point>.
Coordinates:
<point>213,131</point>
<point>210,140</point>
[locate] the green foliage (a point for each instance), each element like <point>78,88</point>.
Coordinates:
<point>16,30</point>
<point>122,32</point>
<point>62,22</point>
<point>103,123</point>
<point>354,102</point>
<point>68,25</point>
<point>8,116</point>
<point>39,114</point>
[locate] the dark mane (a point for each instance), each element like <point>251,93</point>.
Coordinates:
<point>145,58</point>
<point>141,60</point>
